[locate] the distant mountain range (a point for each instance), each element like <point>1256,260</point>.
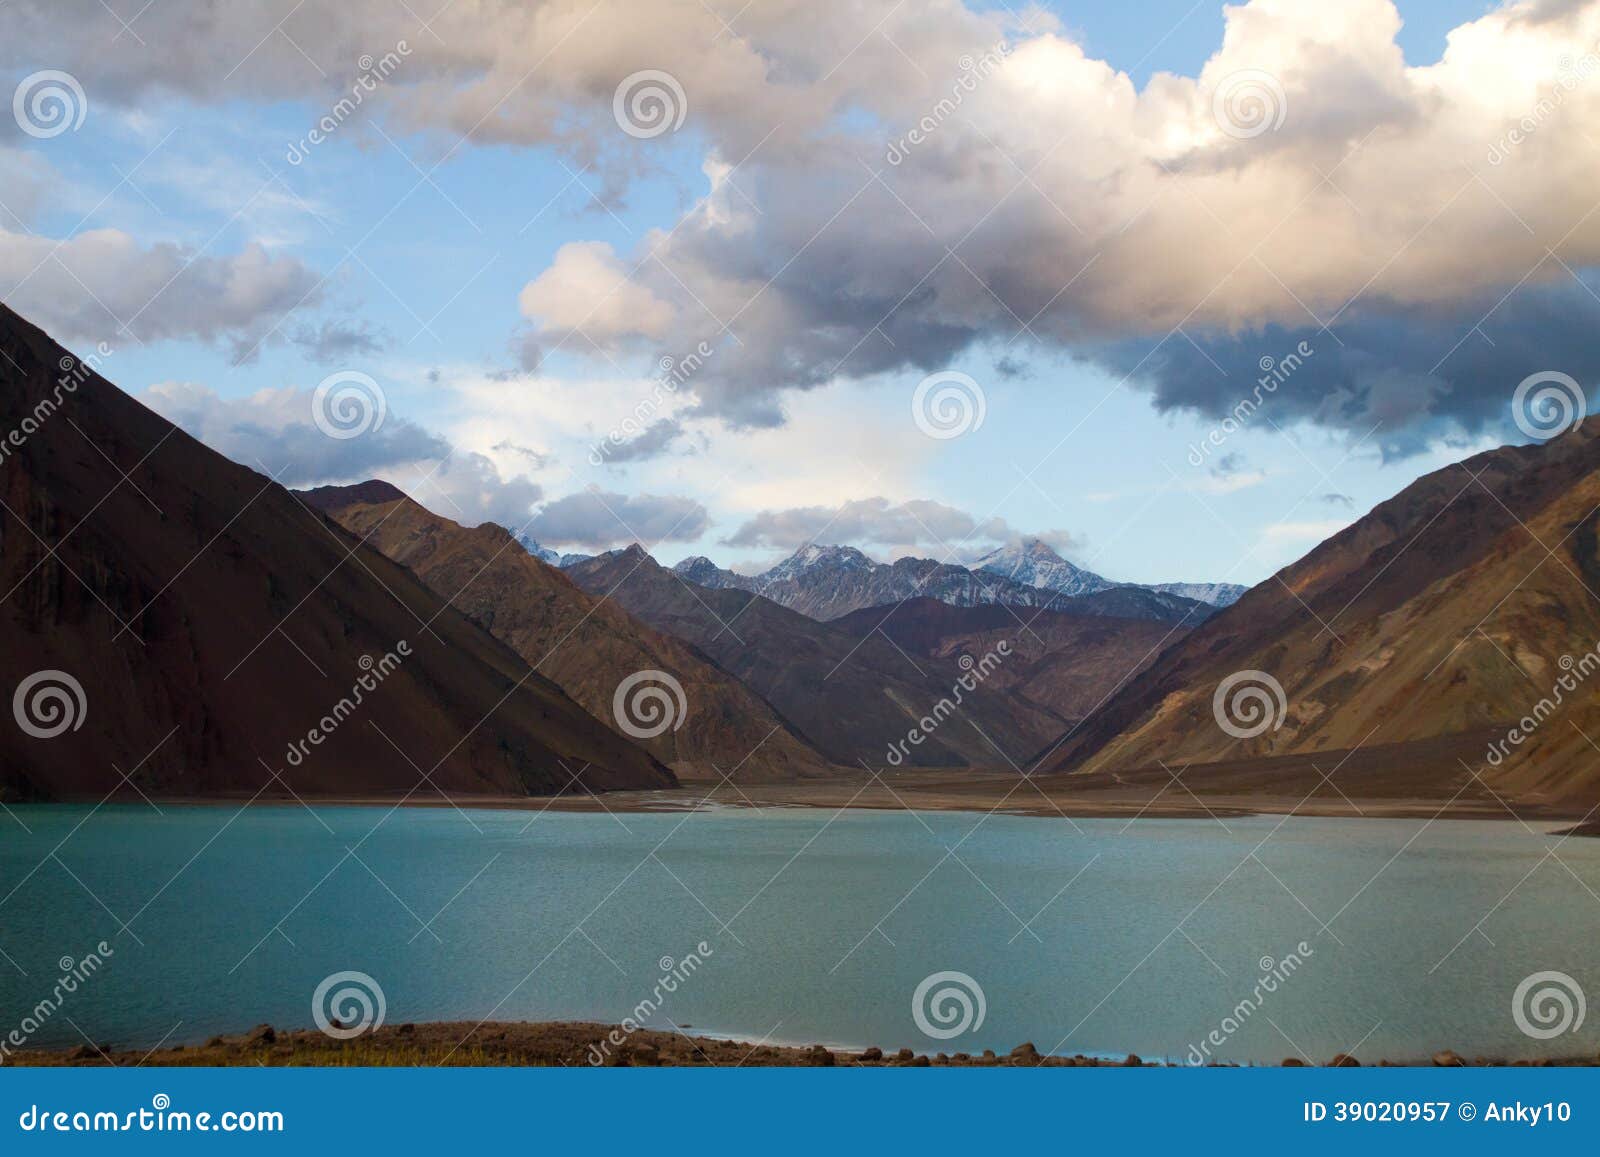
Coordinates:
<point>1034,563</point>
<point>849,690</point>
<point>827,582</point>
<point>770,693</point>
<point>545,554</point>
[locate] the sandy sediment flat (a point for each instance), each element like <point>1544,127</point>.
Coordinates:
<point>1423,780</point>
<point>1217,793</point>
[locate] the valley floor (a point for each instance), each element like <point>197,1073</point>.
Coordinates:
<point>1430,779</point>
<point>1214,792</point>
<point>1426,780</point>
<point>1061,797</point>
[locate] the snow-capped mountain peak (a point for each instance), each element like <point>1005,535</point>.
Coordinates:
<point>1033,563</point>
<point>828,581</point>
<point>1217,594</point>
<point>542,553</point>
<point>814,557</point>
<point>701,570</point>
<point>545,554</point>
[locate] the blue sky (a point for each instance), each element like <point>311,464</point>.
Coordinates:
<point>407,251</point>
<point>1177,35</point>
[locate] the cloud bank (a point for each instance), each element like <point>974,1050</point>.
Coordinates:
<point>960,179</point>
<point>598,520</point>
<point>102,285</point>
<point>897,527</point>
<point>276,431</point>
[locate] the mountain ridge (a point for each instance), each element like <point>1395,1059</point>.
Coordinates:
<point>851,696</point>
<point>828,582</point>
<point>586,645</point>
<point>1033,562</point>
<point>1439,619</point>
<point>201,621</point>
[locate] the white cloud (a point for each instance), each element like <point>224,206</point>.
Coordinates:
<point>469,488</point>
<point>1228,475</point>
<point>275,431</point>
<point>1080,208</point>
<point>102,285</point>
<point>599,519</point>
<point>586,293</point>
<point>25,177</point>
<point>875,521</point>
<point>839,443</point>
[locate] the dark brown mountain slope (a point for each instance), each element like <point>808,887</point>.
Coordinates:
<point>1440,615</point>
<point>1067,663</point>
<point>587,645</point>
<point>850,696</point>
<point>210,619</point>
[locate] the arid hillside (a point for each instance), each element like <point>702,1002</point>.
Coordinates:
<point>1444,618</point>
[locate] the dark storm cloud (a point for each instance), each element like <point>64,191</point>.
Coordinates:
<point>1415,374</point>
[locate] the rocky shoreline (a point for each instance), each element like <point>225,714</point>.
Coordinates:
<point>588,1044</point>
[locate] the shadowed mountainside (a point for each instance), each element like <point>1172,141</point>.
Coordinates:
<point>211,619</point>
<point>1067,663</point>
<point>851,696</point>
<point>587,645</point>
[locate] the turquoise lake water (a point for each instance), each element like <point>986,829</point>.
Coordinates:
<point>1100,937</point>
